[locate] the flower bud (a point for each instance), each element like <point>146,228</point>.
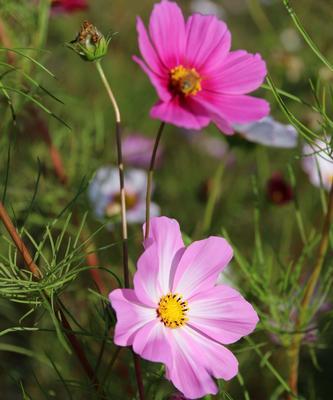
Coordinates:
<point>90,44</point>
<point>278,190</point>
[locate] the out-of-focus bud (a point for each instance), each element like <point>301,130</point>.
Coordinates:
<point>278,190</point>
<point>90,44</point>
<point>67,6</point>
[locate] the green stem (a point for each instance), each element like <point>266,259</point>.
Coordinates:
<point>213,196</point>
<point>150,177</point>
<point>295,347</point>
<point>258,15</point>
<point>306,36</point>
<point>107,86</point>
<point>43,23</point>
<point>298,213</point>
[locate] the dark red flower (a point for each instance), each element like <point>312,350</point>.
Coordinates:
<point>68,6</point>
<point>278,189</point>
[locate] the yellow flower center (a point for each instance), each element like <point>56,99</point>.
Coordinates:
<point>185,81</point>
<point>114,207</point>
<point>172,310</point>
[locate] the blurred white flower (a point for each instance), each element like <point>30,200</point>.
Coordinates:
<point>104,195</point>
<point>269,132</point>
<point>290,40</point>
<point>317,162</point>
<point>207,7</point>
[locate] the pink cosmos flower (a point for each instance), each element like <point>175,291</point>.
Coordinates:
<point>196,76</point>
<point>177,314</point>
<point>68,6</point>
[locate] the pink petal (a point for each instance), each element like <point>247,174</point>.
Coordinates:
<point>166,240</point>
<point>183,113</point>
<point>222,314</point>
<point>242,108</point>
<point>196,359</point>
<point>200,265</point>
<point>167,31</point>
<point>208,43</point>
<point>241,73</point>
<point>223,125</point>
<point>146,283</point>
<point>132,315</point>
<point>151,343</point>
<point>159,83</point>
<point>148,52</point>
<point>233,108</point>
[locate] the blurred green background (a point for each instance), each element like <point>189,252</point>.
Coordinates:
<point>263,27</point>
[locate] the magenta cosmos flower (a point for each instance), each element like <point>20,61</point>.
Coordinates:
<point>177,314</point>
<point>68,6</point>
<point>196,76</point>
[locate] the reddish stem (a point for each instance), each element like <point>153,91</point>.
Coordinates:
<point>78,350</point>
<point>60,173</point>
<point>4,39</point>
<point>21,247</point>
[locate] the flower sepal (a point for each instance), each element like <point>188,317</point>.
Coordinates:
<point>90,44</point>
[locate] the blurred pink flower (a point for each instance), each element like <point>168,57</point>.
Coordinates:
<point>177,314</point>
<point>68,6</point>
<point>137,151</point>
<point>196,76</point>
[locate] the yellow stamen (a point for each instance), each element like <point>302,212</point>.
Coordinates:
<point>114,207</point>
<point>185,81</point>
<point>172,310</point>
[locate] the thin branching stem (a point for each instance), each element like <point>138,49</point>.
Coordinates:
<point>137,364</point>
<point>62,177</point>
<point>78,350</point>
<point>150,176</point>
<point>307,297</point>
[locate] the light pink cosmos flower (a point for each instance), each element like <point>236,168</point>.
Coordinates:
<point>196,76</point>
<point>177,314</point>
<point>68,6</point>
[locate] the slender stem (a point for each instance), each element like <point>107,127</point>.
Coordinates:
<point>213,197</point>
<point>109,91</point>
<point>78,350</point>
<point>76,345</point>
<point>295,347</point>
<point>21,247</point>
<point>55,156</point>
<point>150,176</point>
<point>6,42</point>
<point>138,375</point>
<point>60,173</point>
<point>136,359</point>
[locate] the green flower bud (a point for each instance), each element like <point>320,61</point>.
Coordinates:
<point>90,44</point>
